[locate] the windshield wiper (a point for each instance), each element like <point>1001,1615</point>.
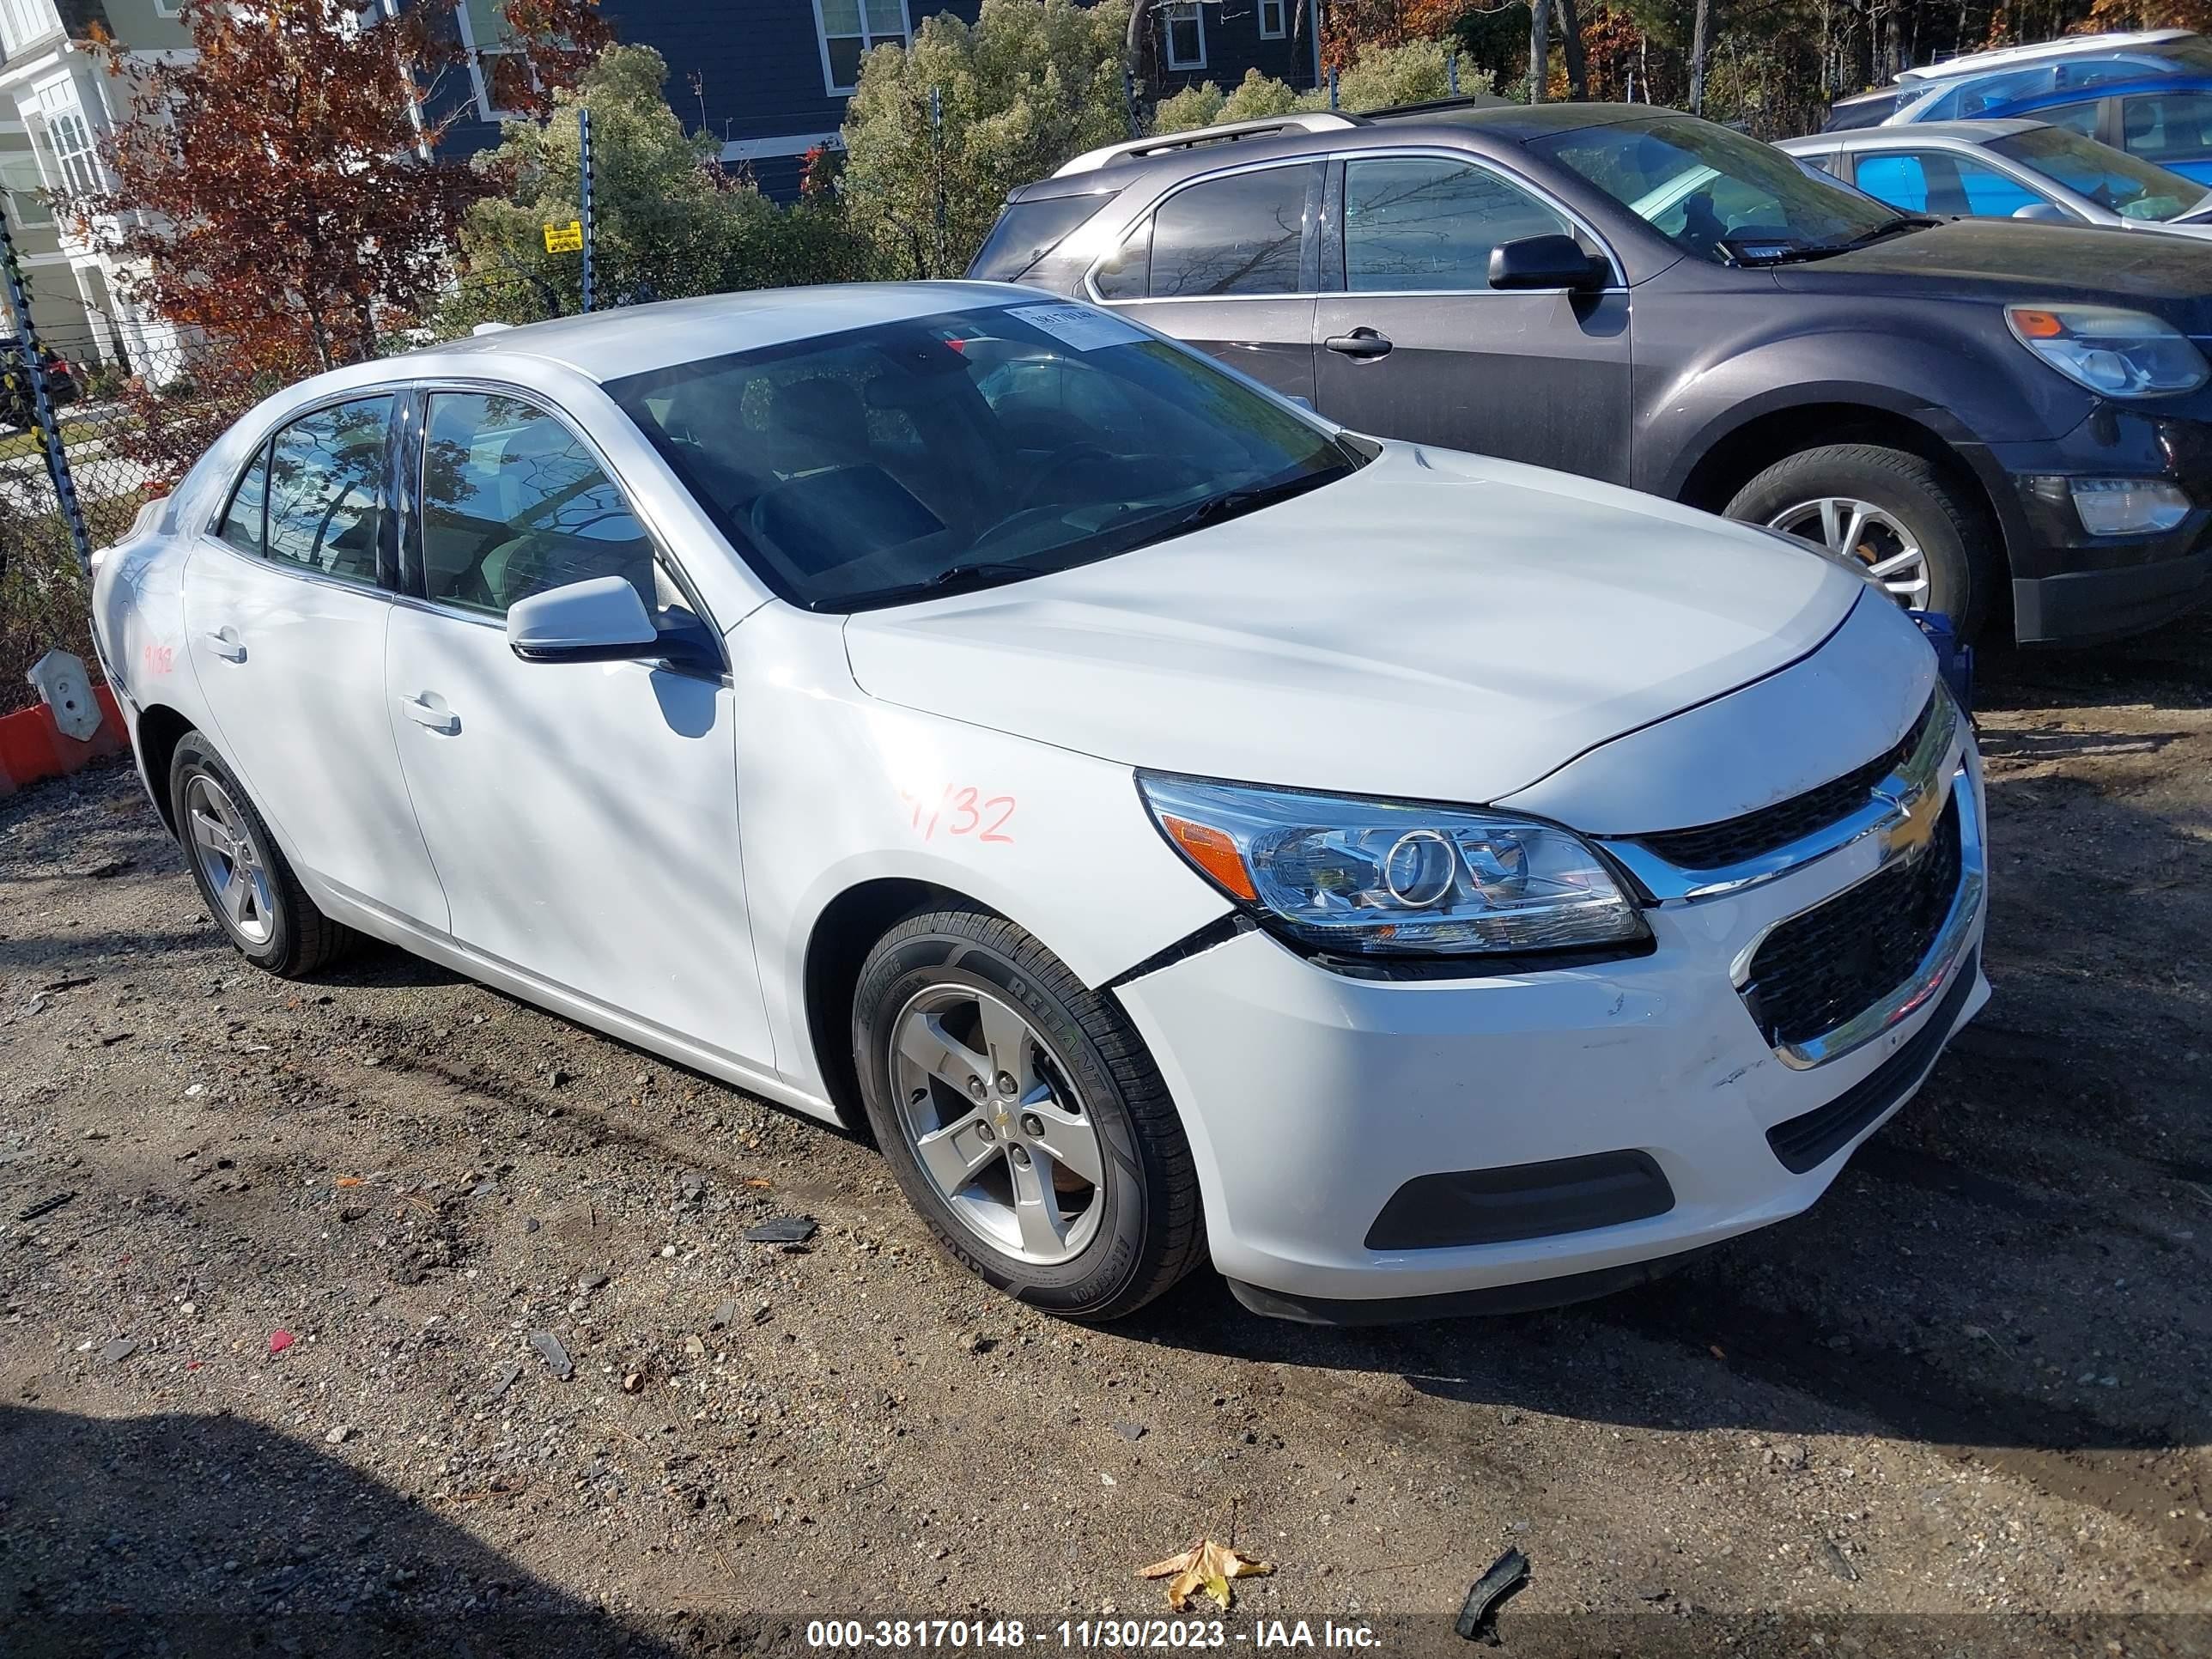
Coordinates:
<point>1234,503</point>
<point>1747,251</point>
<point>955,579</point>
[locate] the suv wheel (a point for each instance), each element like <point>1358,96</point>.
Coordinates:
<point>1919,533</point>
<point>243,879</point>
<point>1023,1117</point>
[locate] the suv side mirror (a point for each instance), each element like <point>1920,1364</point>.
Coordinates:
<point>2044,213</point>
<point>602,620</point>
<point>1552,261</point>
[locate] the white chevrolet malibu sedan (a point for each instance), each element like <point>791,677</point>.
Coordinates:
<point>1172,826</point>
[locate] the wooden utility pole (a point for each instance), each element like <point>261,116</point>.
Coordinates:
<point>1701,40</point>
<point>1540,48</point>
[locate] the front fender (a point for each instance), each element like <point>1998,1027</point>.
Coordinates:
<point>836,789</point>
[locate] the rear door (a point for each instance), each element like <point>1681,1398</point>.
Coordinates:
<point>1415,343</point>
<point>1227,263</point>
<point>2171,129</point>
<point>287,602</point>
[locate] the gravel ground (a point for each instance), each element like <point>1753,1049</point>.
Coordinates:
<point>386,1314</point>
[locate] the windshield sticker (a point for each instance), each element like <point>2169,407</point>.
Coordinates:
<point>1079,326</point>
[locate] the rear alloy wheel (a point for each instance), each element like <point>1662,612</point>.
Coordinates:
<point>243,877</point>
<point>1915,529</point>
<point>1024,1119</point>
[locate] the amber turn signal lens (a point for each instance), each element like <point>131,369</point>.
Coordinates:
<point>2036,325</point>
<point>1214,852</point>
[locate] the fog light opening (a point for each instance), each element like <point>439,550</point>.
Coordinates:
<point>2128,507</point>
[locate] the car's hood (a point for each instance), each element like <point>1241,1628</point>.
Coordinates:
<point>2007,260</point>
<point>1437,625</point>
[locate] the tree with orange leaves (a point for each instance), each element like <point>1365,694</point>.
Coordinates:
<point>279,190</point>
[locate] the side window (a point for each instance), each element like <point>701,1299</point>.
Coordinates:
<point>512,504</point>
<point>242,520</point>
<point>2080,117</point>
<point>327,489</point>
<point>1820,160</point>
<point>1127,272</point>
<point>1421,222</point>
<point>2167,127</point>
<point>1990,194</point>
<point>1899,180</point>
<point>1241,234</point>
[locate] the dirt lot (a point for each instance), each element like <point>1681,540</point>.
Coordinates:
<point>1962,1406</point>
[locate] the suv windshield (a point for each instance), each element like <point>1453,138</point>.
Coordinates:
<point>915,459</point>
<point>2133,188</point>
<point>1717,193</point>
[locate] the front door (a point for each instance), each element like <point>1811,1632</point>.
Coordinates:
<point>285,613</point>
<point>583,816</point>
<point>1418,345</point>
<point>1221,263</point>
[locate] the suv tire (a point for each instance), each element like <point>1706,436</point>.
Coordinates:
<point>1936,514</point>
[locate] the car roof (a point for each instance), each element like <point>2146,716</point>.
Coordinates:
<point>607,345</point>
<point>1454,121</point>
<point>2076,45</point>
<point>1973,133</point>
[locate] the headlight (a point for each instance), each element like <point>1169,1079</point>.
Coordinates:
<point>1378,878</point>
<point>2119,354</point>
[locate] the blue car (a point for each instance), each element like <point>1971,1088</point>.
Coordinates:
<point>2165,119</point>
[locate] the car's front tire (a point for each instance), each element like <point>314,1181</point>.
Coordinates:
<point>244,879</point>
<point>1916,527</point>
<point>1023,1117</point>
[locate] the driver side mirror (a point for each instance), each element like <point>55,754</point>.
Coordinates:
<point>1553,261</point>
<point>2044,213</point>
<point>602,620</point>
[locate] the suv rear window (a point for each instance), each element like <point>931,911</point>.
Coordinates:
<point>1027,231</point>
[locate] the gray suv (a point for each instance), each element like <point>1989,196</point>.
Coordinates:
<point>2003,420</point>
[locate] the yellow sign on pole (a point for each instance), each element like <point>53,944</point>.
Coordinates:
<point>565,239</point>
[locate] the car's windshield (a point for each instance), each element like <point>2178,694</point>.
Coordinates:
<point>1717,193</point>
<point>2129,187</point>
<point>895,461</point>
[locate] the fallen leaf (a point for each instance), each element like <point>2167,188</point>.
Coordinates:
<point>347,1180</point>
<point>279,1341</point>
<point>1208,1565</point>
<point>759,1182</point>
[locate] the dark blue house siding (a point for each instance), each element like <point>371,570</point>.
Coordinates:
<point>760,87</point>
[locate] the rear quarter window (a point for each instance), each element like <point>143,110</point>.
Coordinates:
<point>1027,231</point>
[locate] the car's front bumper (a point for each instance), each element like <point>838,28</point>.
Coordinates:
<point>1312,1097</point>
<point>2070,588</point>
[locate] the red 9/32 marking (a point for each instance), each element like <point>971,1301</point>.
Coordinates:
<point>960,810</point>
<point>159,659</point>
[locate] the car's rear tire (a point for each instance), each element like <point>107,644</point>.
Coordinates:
<point>1023,1117</point>
<point>1916,525</point>
<point>244,879</point>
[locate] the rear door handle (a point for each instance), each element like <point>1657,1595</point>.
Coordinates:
<point>435,715</point>
<point>226,644</point>
<point>1360,343</point>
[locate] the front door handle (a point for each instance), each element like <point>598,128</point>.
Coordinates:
<point>435,715</point>
<point>226,644</point>
<point>1361,342</point>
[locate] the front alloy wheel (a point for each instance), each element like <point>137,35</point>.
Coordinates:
<point>994,1123</point>
<point>1023,1117</point>
<point>1861,531</point>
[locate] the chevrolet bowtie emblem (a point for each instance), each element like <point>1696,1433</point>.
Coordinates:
<point>1914,827</point>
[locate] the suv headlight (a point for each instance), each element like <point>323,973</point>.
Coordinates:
<point>1379,877</point>
<point>2115,353</point>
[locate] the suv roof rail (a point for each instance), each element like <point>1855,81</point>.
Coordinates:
<point>1431,106</point>
<point>1327,120</point>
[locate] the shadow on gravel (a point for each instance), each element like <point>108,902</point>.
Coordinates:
<point>193,1536</point>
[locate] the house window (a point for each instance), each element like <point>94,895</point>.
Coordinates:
<point>73,154</point>
<point>1272,26</point>
<point>1185,37</point>
<point>850,29</point>
<point>26,189</point>
<point>499,75</point>
<point>22,22</point>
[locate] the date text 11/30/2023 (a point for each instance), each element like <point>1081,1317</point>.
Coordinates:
<point>1092,1634</point>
